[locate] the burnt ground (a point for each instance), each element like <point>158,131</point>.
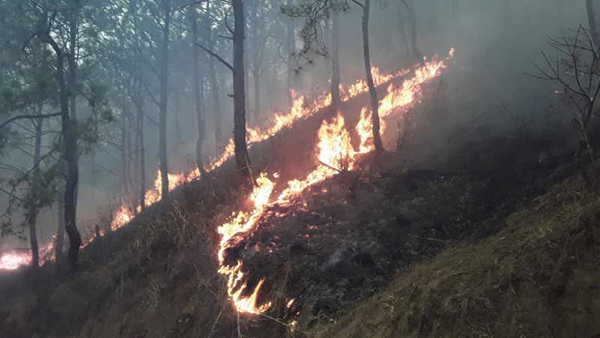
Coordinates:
<point>346,244</point>
<point>346,238</point>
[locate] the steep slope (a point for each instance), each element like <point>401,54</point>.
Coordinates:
<point>537,277</point>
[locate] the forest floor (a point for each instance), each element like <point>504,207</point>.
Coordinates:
<point>478,241</point>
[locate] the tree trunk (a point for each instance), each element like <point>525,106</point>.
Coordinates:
<point>60,233</point>
<point>592,22</point>
<point>257,107</point>
<point>370,83</point>
<point>412,16</point>
<point>214,85</point>
<point>162,125</point>
<point>197,80</point>
<point>124,156</point>
<point>71,156</point>
<point>335,60</point>
<point>239,92</point>
<point>33,211</point>
<point>142,157</point>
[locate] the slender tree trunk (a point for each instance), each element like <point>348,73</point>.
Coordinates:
<point>370,82</point>
<point>197,81</point>
<point>592,22</point>
<point>71,156</point>
<point>218,117</point>
<point>60,233</point>
<point>134,127</point>
<point>124,171</point>
<point>257,107</point>
<point>239,91</point>
<point>33,212</point>
<point>178,141</point>
<point>214,84</point>
<point>335,60</point>
<point>142,157</point>
<point>162,125</point>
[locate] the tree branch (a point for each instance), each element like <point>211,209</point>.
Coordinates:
<point>23,117</point>
<point>216,56</point>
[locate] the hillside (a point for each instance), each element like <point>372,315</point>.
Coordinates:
<point>477,242</point>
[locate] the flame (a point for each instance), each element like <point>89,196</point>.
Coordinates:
<point>398,99</point>
<point>243,223</point>
<point>13,260</point>
<point>335,152</point>
<point>280,120</point>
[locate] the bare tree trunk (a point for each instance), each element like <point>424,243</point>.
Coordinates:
<point>177,142</point>
<point>218,117</point>
<point>163,79</point>
<point>592,22</point>
<point>370,82</point>
<point>197,80</point>
<point>71,156</point>
<point>33,211</point>
<point>239,91</point>
<point>142,157</point>
<point>413,30</point>
<point>335,60</point>
<point>124,156</point>
<point>214,84</point>
<point>60,233</point>
<point>135,156</point>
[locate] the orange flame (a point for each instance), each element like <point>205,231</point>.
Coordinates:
<point>335,153</point>
<point>14,260</point>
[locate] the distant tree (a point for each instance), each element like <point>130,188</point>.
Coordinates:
<point>48,73</point>
<point>366,9</point>
<point>197,87</point>
<point>239,84</point>
<point>315,13</point>
<point>577,70</point>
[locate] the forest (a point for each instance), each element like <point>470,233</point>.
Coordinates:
<point>299,168</point>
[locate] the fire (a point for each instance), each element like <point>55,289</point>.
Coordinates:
<point>398,100</point>
<point>123,216</point>
<point>335,153</point>
<point>280,120</point>
<point>243,223</point>
<point>13,260</point>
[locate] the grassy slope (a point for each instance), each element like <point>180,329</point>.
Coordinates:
<point>538,277</point>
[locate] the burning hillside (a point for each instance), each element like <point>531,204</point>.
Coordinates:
<point>335,154</point>
<point>397,98</point>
